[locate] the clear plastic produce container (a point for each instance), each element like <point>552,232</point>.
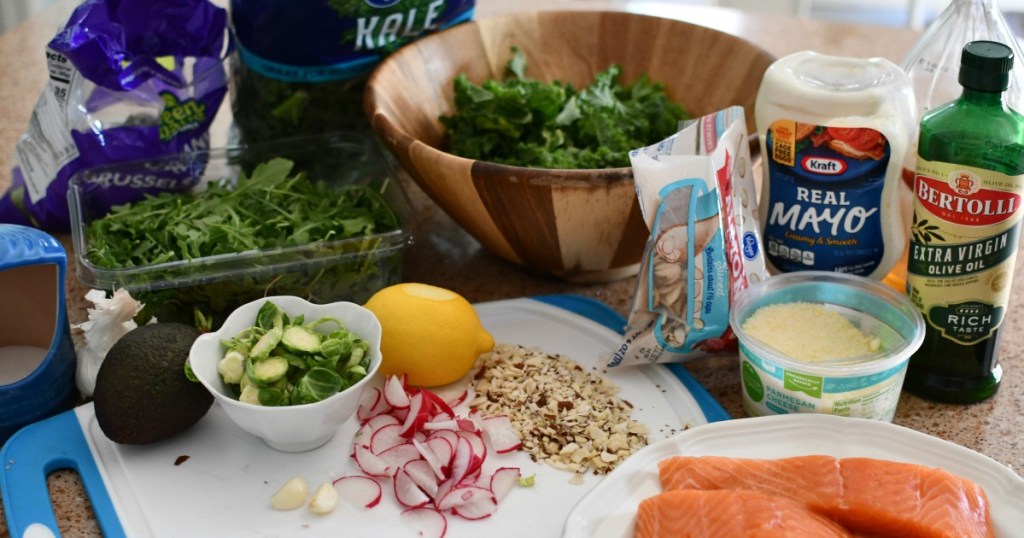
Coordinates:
<point>349,269</point>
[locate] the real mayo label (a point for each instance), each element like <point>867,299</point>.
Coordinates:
<point>823,212</point>
<point>833,134</point>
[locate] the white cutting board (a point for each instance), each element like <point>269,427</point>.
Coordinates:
<point>224,486</point>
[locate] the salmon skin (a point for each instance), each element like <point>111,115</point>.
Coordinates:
<point>868,496</point>
<point>690,513</point>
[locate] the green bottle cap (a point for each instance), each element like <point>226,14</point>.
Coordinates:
<point>985,66</point>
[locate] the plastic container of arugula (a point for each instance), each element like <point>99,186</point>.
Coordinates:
<point>322,218</point>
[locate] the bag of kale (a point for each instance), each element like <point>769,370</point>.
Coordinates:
<point>301,70</point>
<point>128,81</point>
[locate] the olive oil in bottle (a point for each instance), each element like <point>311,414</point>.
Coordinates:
<point>966,224</point>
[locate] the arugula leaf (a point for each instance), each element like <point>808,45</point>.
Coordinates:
<point>525,122</point>
<point>271,209</point>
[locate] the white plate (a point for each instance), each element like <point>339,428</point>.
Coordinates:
<point>608,511</point>
<point>224,486</point>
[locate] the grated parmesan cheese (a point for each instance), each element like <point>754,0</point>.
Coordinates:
<point>808,332</point>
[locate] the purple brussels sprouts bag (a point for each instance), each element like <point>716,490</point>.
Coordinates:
<point>128,81</point>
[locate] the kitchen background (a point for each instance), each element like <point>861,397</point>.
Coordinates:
<point>910,13</point>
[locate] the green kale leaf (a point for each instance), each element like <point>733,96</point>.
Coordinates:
<point>525,122</point>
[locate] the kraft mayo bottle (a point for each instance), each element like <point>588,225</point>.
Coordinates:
<point>834,132</point>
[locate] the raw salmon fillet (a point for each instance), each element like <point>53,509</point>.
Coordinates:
<point>911,500</point>
<point>814,480</point>
<point>690,513</point>
<point>870,496</point>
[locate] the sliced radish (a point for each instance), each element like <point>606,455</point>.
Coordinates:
<point>407,491</point>
<point>380,406</point>
<point>443,450</point>
<point>373,424</point>
<point>455,401</point>
<point>461,461</point>
<point>427,522</point>
<point>397,456</point>
<point>421,473</point>
<point>395,394</point>
<point>439,416</point>
<point>463,424</point>
<point>419,412</point>
<point>434,456</point>
<point>503,481</point>
<point>453,393</point>
<point>476,441</point>
<point>461,495</point>
<point>478,508</point>
<point>438,403</point>
<point>477,419</point>
<point>503,436</point>
<point>386,437</point>
<point>369,462</point>
<point>431,458</point>
<point>450,435</point>
<point>442,490</point>
<point>359,490</point>
<point>367,403</point>
<point>472,475</point>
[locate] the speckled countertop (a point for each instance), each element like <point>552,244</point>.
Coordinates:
<point>445,255</point>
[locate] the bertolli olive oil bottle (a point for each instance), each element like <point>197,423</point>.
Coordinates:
<point>965,228</point>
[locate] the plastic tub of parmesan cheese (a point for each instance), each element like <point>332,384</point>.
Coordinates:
<point>824,342</point>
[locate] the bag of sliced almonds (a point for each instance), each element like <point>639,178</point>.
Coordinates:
<point>696,191</point>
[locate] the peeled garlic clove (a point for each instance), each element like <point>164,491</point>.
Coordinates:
<point>324,500</point>
<point>291,495</point>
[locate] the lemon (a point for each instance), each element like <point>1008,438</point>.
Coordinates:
<point>430,334</point>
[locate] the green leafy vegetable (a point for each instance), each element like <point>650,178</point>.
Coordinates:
<point>301,340</point>
<point>526,122</point>
<point>266,109</point>
<point>269,316</point>
<point>317,384</point>
<point>286,376</point>
<point>268,209</point>
<point>320,242</point>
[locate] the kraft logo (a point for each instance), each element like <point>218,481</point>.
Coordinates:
<point>381,3</point>
<point>825,166</point>
<point>750,246</point>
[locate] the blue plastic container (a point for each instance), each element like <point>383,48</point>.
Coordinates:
<point>37,355</point>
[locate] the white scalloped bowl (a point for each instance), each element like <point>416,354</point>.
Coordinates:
<point>295,428</point>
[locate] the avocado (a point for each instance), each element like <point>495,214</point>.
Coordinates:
<point>142,394</point>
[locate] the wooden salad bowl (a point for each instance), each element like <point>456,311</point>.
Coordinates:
<point>578,225</point>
